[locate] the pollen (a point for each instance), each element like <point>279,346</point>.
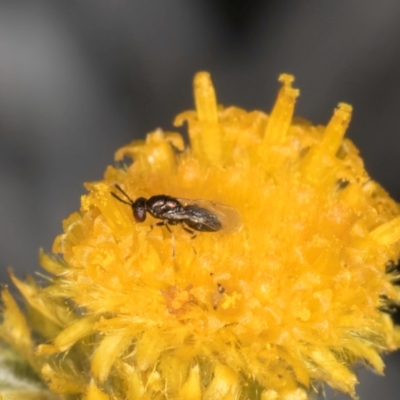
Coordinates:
<point>293,297</point>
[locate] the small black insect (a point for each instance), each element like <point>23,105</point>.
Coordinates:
<point>193,215</point>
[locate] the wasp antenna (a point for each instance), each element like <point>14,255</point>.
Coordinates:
<point>123,192</point>
<point>130,202</point>
<point>121,200</point>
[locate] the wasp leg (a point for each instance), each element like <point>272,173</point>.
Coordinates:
<point>194,234</point>
<point>161,223</point>
<point>169,229</point>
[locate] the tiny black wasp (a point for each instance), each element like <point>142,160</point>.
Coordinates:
<point>197,215</point>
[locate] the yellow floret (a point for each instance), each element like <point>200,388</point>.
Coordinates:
<point>294,296</point>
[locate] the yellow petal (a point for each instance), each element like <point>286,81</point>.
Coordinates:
<point>94,393</point>
<point>106,353</point>
<point>14,328</point>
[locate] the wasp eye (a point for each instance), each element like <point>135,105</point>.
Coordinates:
<point>139,209</point>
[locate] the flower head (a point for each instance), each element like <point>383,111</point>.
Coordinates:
<point>294,295</point>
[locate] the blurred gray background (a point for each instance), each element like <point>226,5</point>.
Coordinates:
<point>78,79</point>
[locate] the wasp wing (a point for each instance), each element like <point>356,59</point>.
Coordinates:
<point>212,214</point>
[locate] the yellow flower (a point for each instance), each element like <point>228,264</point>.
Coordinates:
<point>294,296</point>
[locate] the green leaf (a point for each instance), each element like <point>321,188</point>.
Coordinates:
<point>17,379</point>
